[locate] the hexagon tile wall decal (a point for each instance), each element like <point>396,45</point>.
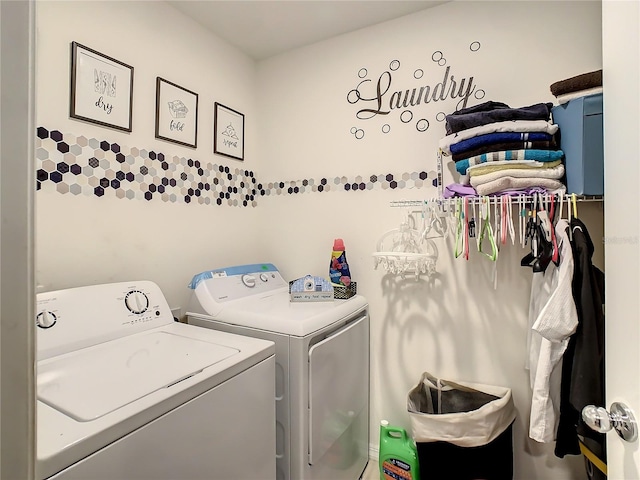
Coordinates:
<point>75,164</point>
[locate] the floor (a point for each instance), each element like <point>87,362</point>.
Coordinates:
<point>371,472</point>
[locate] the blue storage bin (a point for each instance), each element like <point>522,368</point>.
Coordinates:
<point>581,140</point>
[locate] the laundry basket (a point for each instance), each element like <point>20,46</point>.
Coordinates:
<point>462,430</point>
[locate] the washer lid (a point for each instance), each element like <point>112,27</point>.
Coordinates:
<point>89,383</point>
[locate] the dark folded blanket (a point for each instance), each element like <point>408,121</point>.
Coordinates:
<point>482,107</point>
<point>457,122</point>
<point>491,138</point>
<point>498,147</point>
<point>577,83</point>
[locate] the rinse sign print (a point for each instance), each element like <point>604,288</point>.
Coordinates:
<point>379,96</point>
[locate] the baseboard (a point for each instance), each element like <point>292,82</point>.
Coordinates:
<point>374,452</point>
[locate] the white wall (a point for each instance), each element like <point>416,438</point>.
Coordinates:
<point>85,239</point>
<point>455,326</point>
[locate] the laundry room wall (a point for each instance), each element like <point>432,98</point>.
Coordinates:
<point>328,160</point>
<point>338,148</point>
<point>117,217</point>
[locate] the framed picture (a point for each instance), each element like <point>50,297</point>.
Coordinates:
<point>101,88</point>
<point>228,135</point>
<point>176,113</point>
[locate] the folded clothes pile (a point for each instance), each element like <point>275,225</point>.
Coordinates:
<point>502,150</point>
<point>578,86</point>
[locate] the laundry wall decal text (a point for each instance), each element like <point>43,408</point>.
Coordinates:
<point>385,96</point>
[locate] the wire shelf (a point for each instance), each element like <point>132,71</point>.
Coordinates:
<point>495,199</point>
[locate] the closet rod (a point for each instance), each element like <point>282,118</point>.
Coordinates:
<point>492,200</point>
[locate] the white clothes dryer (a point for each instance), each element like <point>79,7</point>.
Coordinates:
<point>125,392</point>
<point>322,365</point>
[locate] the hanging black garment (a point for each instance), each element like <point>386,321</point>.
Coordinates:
<point>583,361</point>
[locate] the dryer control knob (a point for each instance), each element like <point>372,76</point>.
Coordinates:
<point>136,301</point>
<point>264,277</point>
<point>249,280</point>
<point>46,319</point>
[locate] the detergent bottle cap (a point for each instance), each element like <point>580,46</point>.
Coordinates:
<point>338,245</point>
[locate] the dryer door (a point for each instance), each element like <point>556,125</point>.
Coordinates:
<point>339,393</point>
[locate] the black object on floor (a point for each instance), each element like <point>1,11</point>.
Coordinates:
<point>443,460</point>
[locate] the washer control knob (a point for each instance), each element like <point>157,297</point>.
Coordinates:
<point>264,277</point>
<point>136,301</point>
<point>46,319</point>
<point>249,280</point>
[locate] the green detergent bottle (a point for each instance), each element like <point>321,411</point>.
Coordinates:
<point>398,454</point>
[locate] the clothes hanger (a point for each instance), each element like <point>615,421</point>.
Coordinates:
<point>541,248</point>
<point>459,242</point>
<point>531,236</point>
<point>512,230</point>
<point>522,219</point>
<point>486,230</point>
<point>433,221</point>
<point>569,218</point>
<point>472,221</point>
<point>466,228</point>
<point>497,223</point>
<point>561,204</point>
<point>575,215</point>
<point>546,247</point>
<point>555,255</point>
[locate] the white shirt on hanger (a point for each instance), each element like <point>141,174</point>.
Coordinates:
<point>552,320</point>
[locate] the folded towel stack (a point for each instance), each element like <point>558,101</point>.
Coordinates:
<point>498,149</point>
<point>579,86</point>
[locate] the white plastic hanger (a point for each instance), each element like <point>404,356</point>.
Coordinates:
<point>486,230</point>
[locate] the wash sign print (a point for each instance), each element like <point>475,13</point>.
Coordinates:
<point>383,98</point>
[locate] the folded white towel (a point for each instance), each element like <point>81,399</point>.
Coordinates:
<point>554,173</point>
<point>513,183</point>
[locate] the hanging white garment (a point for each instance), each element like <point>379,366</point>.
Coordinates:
<point>552,320</point>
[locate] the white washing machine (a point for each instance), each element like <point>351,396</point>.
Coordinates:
<point>125,392</point>
<point>322,366</point>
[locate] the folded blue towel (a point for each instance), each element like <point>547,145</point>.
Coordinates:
<point>499,137</point>
<point>538,155</point>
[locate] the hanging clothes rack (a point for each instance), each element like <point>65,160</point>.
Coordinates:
<point>487,221</point>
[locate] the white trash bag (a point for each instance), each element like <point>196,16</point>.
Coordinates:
<point>461,413</point>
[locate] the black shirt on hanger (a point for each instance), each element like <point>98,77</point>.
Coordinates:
<point>583,361</point>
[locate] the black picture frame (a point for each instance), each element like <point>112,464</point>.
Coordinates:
<point>101,89</point>
<point>228,134</point>
<point>176,113</point>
